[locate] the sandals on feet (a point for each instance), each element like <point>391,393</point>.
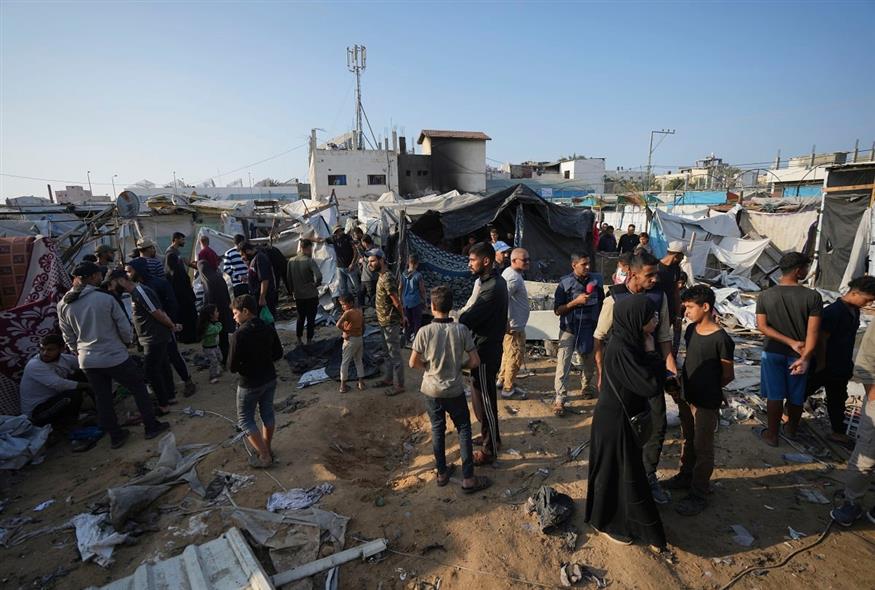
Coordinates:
<point>361,386</point>
<point>759,431</point>
<point>444,478</point>
<point>480,484</point>
<point>558,410</point>
<point>343,388</point>
<point>256,462</point>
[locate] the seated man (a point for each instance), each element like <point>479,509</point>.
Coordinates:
<point>48,393</point>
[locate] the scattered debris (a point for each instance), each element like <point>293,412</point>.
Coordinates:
<point>47,580</point>
<point>794,534</point>
<point>576,451</point>
<point>572,573</point>
<point>298,498</point>
<point>332,561</point>
<point>188,411</point>
<point>812,496</point>
<point>21,442</point>
<point>379,502</point>
<point>569,537</point>
<point>515,453</point>
<point>43,505</point>
<point>742,536</point>
<point>313,377</point>
<point>95,538</point>
<point>512,410</point>
<point>223,480</point>
<point>553,508</point>
<point>797,458</point>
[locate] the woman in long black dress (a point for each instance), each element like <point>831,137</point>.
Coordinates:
<point>618,499</point>
<point>216,292</point>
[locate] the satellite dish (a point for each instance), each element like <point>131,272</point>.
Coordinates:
<point>128,205</point>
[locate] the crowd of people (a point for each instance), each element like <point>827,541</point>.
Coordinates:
<point>626,333</point>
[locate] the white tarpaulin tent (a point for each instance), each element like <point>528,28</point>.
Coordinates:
<point>718,235</point>
<point>787,231</point>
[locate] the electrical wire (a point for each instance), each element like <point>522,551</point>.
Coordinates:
<point>783,562</point>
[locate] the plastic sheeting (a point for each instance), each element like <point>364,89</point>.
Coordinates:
<point>859,251</point>
<point>20,441</point>
<point>738,254</point>
<point>841,220</point>
<point>788,231</point>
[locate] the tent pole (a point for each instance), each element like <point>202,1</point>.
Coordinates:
<point>815,264</point>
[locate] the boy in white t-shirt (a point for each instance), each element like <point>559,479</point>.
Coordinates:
<point>443,348</point>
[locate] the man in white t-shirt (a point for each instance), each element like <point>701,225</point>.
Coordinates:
<point>514,345</point>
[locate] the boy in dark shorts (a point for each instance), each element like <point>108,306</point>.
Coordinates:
<point>443,348</point>
<point>835,351</point>
<point>788,315</point>
<point>708,368</point>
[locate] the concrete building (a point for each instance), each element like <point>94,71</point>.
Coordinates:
<point>76,195</point>
<point>709,173</point>
<point>577,170</point>
<point>458,159</point>
<point>352,175</point>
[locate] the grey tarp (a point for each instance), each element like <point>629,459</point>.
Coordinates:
<point>841,218</point>
<point>550,232</point>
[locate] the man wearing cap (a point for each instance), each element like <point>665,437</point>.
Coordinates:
<point>502,256</point>
<point>146,248</point>
<point>98,332</point>
<point>390,317</point>
<point>668,275</point>
<point>105,257</point>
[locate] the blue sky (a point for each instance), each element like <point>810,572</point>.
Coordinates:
<point>145,89</point>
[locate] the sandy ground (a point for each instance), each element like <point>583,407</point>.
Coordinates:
<point>371,446</point>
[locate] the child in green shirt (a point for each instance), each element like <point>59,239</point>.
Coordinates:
<point>209,328</point>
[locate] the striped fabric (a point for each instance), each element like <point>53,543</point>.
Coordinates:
<point>156,266</point>
<point>234,267</point>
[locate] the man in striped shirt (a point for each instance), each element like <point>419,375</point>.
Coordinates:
<point>234,266</point>
<point>147,251</point>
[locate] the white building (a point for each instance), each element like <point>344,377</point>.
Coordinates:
<point>76,195</point>
<point>352,175</point>
<point>585,172</point>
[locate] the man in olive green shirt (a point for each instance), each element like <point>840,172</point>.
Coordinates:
<point>388,307</point>
<point>303,279</point>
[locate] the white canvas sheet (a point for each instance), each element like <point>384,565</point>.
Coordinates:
<point>740,255</point>
<point>859,251</point>
<point>788,231</point>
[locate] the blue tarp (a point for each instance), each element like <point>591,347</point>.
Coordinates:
<point>701,198</point>
<point>805,192</point>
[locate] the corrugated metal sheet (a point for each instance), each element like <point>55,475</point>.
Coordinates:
<point>225,563</point>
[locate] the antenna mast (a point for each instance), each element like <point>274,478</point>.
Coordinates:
<point>356,61</point>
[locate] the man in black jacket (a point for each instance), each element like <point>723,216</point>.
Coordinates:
<point>487,320</point>
<point>253,349</point>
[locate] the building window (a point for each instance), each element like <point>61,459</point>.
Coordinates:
<point>337,179</point>
<point>568,174</point>
<point>379,179</point>
<point>422,172</point>
<point>407,173</point>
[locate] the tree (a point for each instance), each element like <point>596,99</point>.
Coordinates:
<point>675,184</point>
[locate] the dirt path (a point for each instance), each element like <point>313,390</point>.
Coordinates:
<point>371,446</point>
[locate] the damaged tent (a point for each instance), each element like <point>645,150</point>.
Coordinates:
<point>716,236</point>
<point>34,281</point>
<point>550,232</point>
<point>845,247</point>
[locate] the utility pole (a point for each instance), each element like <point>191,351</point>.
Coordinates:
<point>650,155</point>
<point>114,194</point>
<point>174,182</point>
<point>89,183</point>
<point>356,61</point>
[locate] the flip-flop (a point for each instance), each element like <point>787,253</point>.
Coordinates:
<point>558,410</point>
<point>256,462</point>
<point>758,433</point>
<point>444,478</point>
<point>480,484</point>
<point>481,458</point>
<point>343,389</point>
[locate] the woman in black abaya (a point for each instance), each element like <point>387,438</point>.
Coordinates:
<point>618,499</point>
